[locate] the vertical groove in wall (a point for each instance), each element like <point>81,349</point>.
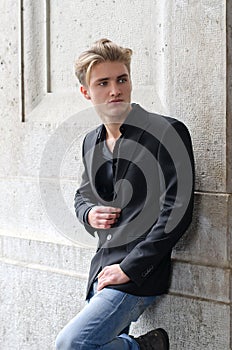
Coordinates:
<point>22,87</point>
<point>230,277</point>
<point>229,139</point>
<point>229,95</point>
<point>229,135</point>
<point>48,51</point>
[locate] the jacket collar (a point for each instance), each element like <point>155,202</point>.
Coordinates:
<point>132,129</point>
<point>136,122</point>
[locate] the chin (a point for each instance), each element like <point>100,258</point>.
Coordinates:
<point>118,110</point>
<point>115,112</point>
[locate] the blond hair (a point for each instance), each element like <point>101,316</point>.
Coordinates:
<point>103,50</point>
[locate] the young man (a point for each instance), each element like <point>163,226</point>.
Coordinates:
<point>137,196</point>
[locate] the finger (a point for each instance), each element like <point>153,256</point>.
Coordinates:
<point>103,220</point>
<point>107,215</point>
<point>102,272</point>
<point>103,283</point>
<point>106,221</point>
<point>100,284</point>
<point>104,224</point>
<point>103,209</point>
<point>103,227</point>
<point>99,275</point>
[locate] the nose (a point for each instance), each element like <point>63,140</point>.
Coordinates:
<point>115,89</point>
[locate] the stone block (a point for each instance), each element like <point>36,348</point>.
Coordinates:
<point>229,218</point>
<point>206,241</point>
<point>66,21</point>
<point>195,49</point>
<point>187,279</point>
<point>25,148</point>
<point>229,95</point>
<point>179,69</point>
<point>60,256</point>
<point>43,299</point>
<point>24,214</point>
<point>35,305</point>
<point>9,63</point>
<point>178,78</point>
<point>35,57</point>
<point>192,323</point>
<point>209,283</point>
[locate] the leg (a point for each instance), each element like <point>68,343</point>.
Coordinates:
<point>101,321</point>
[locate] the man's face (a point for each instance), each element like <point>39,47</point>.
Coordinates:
<point>109,90</point>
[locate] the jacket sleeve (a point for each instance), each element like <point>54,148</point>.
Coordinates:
<point>84,199</point>
<point>175,158</point>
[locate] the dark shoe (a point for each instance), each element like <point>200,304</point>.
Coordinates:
<point>154,340</point>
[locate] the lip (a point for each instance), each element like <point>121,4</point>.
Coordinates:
<point>117,100</point>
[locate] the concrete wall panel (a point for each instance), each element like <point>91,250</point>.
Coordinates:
<point>179,69</point>
<point>206,241</point>
<point>193,324</point>
<point>35,305</point>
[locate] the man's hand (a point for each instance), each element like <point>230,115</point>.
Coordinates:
<point>111,275</point>
<point>103,217</point>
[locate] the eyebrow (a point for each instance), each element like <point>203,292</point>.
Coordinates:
<point>124,75</point>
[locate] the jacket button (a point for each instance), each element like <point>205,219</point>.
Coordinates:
<point>109,237</point>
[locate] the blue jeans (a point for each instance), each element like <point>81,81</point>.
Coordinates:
<point>104,322</point>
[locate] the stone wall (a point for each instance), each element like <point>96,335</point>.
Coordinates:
<point>179,69</point>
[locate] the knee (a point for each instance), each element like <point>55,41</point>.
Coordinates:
<point>69,341</point>
<point>60,342</point>
<point>64,342</point>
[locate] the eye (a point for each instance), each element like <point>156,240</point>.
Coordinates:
<point>122,80</point>
<point>103,83</point>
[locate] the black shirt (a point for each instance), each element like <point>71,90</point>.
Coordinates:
<point>105,175</point>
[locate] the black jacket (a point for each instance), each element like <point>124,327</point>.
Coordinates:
<point>154,183</point>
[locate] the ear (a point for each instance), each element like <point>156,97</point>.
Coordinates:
<point>85,92</point>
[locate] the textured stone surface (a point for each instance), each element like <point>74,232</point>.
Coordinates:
<point>178,68</point>
<point>126,20</point>
<point>21,202</point>
<point>44,295</point>
<point>9,51</point>
<point>190,280</point>
<point>35,58</point>
<point>35,305</point>
<point>192,324</point>
<point>196,281</point>
<point>229,95</point>
<point>195,73</point>
<point>201,282</point>
<point>230,231</point>
<point>205,242</point>
<point>207,239</point>
<point>179,74</point>
<point>63,256</point>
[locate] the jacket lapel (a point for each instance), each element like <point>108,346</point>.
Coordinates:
<point>92,154</point>
<point>135,125</point>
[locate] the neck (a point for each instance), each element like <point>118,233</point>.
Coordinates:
<point>112,130</point>
<point>109,118</point>
<point>112,135</point>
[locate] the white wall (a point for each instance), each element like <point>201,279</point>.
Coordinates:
<point>179,69</point>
